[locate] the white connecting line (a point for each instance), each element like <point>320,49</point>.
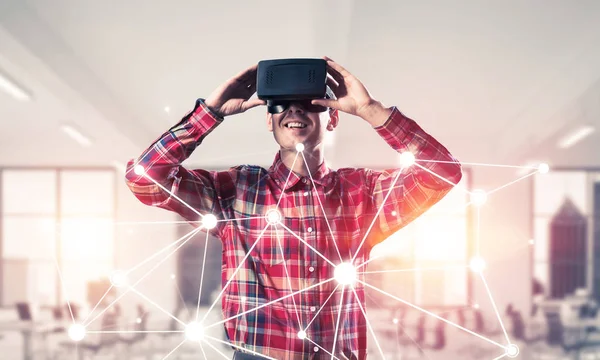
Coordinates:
<point>269,303</point>
<point>375,217</point>
<point>202,276</point>
<point>184,238</point>
<point>337,324</point>
<point>322,209</point>
<point>368,323</point>
<point>495,308</point>
<point>235,272</point>
<point>432,314</point>
<point>194,232</point>
<point>62,282</point>
<point>287,276</point>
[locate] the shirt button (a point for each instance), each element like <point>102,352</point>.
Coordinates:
<point>313,308</point>
<point>311,269</point>
<point>306,193</point>
<point>316,349</point>
<point>304,180</point>
<point>309,229</point>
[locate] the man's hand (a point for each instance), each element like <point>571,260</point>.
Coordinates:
<point>352,96</point>
<point>233,96</point>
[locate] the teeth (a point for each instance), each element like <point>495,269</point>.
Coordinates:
<point>295,125</point>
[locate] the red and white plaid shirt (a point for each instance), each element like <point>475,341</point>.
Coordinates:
<point>284,279</point>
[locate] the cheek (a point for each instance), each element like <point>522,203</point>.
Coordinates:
<point>275,119</point>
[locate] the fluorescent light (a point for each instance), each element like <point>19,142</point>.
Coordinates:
<point>77,136</point>
<point>11,88</point>
<point>575,136</point>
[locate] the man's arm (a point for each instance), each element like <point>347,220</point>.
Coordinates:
<point>413,190</point>
<point>192,193</point>
<point>166,183</point>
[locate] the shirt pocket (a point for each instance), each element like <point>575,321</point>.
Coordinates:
<point>268,251</point>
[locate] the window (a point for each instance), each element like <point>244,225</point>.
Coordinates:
<point>55,218</point>
<point>573,191</point>
<point>438,239</point>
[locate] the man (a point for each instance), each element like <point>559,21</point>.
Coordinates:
<point>280,297</point>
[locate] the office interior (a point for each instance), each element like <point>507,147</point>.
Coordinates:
<point>510,88</point>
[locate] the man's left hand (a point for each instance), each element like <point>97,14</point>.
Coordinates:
<point>352,96</point>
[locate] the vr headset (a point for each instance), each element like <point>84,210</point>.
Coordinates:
<point>284,81</point>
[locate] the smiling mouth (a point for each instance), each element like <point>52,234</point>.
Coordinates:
<point>295,125</point>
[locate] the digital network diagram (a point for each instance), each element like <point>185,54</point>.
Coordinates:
<point>345,274</point>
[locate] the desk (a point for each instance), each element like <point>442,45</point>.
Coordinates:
<point>28,329</point>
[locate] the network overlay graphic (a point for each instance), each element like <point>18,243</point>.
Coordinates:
<point>345,275</point>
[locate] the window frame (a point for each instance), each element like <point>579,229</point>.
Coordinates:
<point>589,214</point>
<point>58,217</point>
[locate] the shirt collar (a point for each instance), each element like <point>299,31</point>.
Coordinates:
<point>279,172</point>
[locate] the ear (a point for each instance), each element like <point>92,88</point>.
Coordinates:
<point>270,122</point>
<point>333,119</point>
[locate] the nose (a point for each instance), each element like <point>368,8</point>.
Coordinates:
<point>296,107</point>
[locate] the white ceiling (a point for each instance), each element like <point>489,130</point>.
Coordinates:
<point>487,79</point>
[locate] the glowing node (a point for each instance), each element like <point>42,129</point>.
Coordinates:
<point>478,197</point>
<point>543,168</point>
<point>531,242</point>
<point>172,276</point>
<point>209,221</point>
<point>167,109</point>
<point>118,278</point>
<point>302,335</point>
<point>394,213</point>
<point>345,274</point>
<point>77,332</point>
<point>407,159</point>
<point>395,321</point>
<point>273,217</point>
<point>477,264</point>
<point>299,147</point>
<point>194,332</point>
<point>476,306</point>
<point>138,320</point>
<point>512,351</point>
<point>139,170</point>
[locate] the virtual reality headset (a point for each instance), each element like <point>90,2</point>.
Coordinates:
<point>284,81</point>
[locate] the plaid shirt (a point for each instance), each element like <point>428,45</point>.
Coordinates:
<point>325,218</point>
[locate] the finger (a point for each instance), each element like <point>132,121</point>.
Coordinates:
<point>253,103</point>
<point>334,87</point>
<point>326,103</point>
<point>337,67</point>
<point>247,74</point>
<point>252,88</point>
<point>335,75</point>
<point>331,83</point>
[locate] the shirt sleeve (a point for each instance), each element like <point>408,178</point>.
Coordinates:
<point>398,196</point>
<point>166,184</point>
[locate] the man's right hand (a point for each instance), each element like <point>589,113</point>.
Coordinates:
<point>233,96</point>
